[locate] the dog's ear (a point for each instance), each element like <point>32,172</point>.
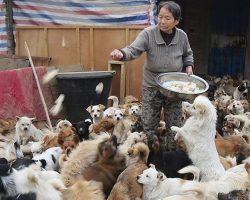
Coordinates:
<point>102,107</point>
<point>160,176</point>
<point>59,120</point>
<point>130,151</point>
<point>245,137</point>
<point>152,166</point>
<point>73,129</point>
<point>89,109</point>
<point>32,119</point>
<point>17,118</point>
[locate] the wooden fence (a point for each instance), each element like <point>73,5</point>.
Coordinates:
<point>88,46</point>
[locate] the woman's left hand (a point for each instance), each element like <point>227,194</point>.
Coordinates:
<point>189,70</point>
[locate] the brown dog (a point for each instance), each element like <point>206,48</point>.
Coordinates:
<point>108,167</point>
<point>64,139</point>
<point>106,124</point>
<point>127,186</point>
<point>231,146</point>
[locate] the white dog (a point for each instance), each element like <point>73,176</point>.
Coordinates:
<point>26,131</point>
<point>156,185</point>
<point>236,107</point>
<point>32,179</point>
<point>96,112</point>
<point>198,134</point>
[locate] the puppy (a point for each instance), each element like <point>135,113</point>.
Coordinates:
<point>236,108</point>
<point>126,186</point>
<point>108,167</point>
<point>118,115</point>
<point>67,138</point>
<point>62,124</point>
<point>156,185</point>
<point>26,131</point>
<point>198,134</point>
<point>123,127</point>
<point>135,109</point>
<point>96,112</point>
<point>241,92</point>
<point>82,129</point>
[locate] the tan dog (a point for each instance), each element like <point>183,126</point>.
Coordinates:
<point>108,167</point>
<point>62,124</point>
<point>7,139</point>
<point>65,138</point>
<point>231,146</point>
<point>123,127</point>
<point>106,124</point>
<point>96,112</point>
<point>82,157</point>
<point>90,190</point>
<point>127,186</point>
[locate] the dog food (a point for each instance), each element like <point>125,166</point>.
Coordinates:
<point>182,86</point>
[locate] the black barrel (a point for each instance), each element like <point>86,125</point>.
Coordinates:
<point>79,89</point>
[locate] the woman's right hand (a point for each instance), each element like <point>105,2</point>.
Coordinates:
<point>116,54</point>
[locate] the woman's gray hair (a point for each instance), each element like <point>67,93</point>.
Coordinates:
<point>173,7</point>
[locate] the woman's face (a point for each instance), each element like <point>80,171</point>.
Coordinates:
<point>166,20</point>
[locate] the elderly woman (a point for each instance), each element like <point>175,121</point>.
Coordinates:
<point>168,50</point>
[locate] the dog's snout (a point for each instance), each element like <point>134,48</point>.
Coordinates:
<point>138,177</point>
<point>25,128</point>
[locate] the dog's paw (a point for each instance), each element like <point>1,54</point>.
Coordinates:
<point>175,128</point>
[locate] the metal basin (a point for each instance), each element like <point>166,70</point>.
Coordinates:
<point>161,79</point>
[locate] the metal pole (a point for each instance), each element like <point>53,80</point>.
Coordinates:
<point>9,26</point>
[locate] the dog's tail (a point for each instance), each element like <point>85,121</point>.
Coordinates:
<point>191,169</point>
<point>115,101</point>
<point>194,187</point>
<point>140,149</point>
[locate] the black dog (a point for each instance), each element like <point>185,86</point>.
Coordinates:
<point>168,162</point>
<point>29,196</point>
<point>82,129</point>
<point>20,163</point>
